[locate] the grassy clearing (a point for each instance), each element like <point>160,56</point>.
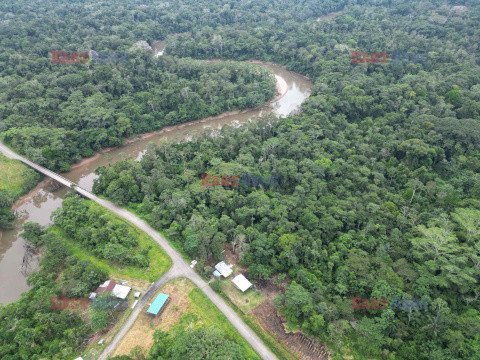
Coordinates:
<point>15,177</point>
<point>211,316</point>
<point>160,262</point>
<point>141,332</point>
<point>185,298</point>
<point>246,301</point>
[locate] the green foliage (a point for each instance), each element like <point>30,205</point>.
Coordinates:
<point>190,340</point>
<point>15,180</point>
<point>374,174</point>
<point>30,328</point>
<point>379,175</point>
<point>100,233</point>
<point>33,233</point>
<point>216,285</point>
<point>101,105</point>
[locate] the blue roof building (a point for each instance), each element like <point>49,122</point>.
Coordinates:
<point>157,304</point>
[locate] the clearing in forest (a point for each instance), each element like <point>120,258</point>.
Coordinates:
<point>185,298</point>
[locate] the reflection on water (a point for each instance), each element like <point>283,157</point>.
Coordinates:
<point>12,268</point>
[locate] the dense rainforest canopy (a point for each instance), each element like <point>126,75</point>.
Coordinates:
<point>379,185</point>
<point>70,111</point>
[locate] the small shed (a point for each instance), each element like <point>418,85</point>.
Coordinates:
<point>223,269</point>
<point>79,358</point>
<point>241,282</point>
<point>158,304</point>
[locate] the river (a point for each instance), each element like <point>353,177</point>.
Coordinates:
<point>15,268</point>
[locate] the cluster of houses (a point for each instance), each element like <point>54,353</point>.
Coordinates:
<point>240,281</point>
<point>121,291</point>
<point>117,290</point>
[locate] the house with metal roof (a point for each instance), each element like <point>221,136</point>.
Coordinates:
<point>119,291</point>
<point>241,282</point>
<point>223,269</point>
<point>158,304</point>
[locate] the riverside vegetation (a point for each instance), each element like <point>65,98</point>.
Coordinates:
<point>86,245</point>
<point>379,192</point>
<point>15,180</point>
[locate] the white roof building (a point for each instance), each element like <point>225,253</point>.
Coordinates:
<point>223,269</point>
<point>121,291</point>
<point>241,282</point>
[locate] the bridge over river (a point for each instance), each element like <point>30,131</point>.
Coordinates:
<point>180,267</point>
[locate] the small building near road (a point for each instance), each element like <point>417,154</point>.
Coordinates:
<point>158,304</point>
<point>223,269</point>
<point>119,291</point>
<point>242,282</point>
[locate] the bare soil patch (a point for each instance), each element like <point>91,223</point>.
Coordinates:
<point>269,289</point>
<point>141,285</point>
<point>230,257</point>
<point>304,347</point>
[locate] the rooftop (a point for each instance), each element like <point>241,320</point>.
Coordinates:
<point>121,291</point>
<point>106,286</point>
<point>157,304</point>
<point>241,282</point>
<point>223,269</point>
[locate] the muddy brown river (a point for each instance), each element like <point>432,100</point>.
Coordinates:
<point>15,266</point>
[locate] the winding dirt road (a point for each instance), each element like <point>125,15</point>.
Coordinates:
<point>180,267</point>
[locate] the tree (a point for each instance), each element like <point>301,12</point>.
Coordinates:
<point>314,324</point>
<point>436,242</point>
<point>218,42</point>
<point>298,301</point>
<point>32,233</point>
<point>469,219</point>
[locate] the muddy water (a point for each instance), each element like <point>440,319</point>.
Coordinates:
<point>14,270</point>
